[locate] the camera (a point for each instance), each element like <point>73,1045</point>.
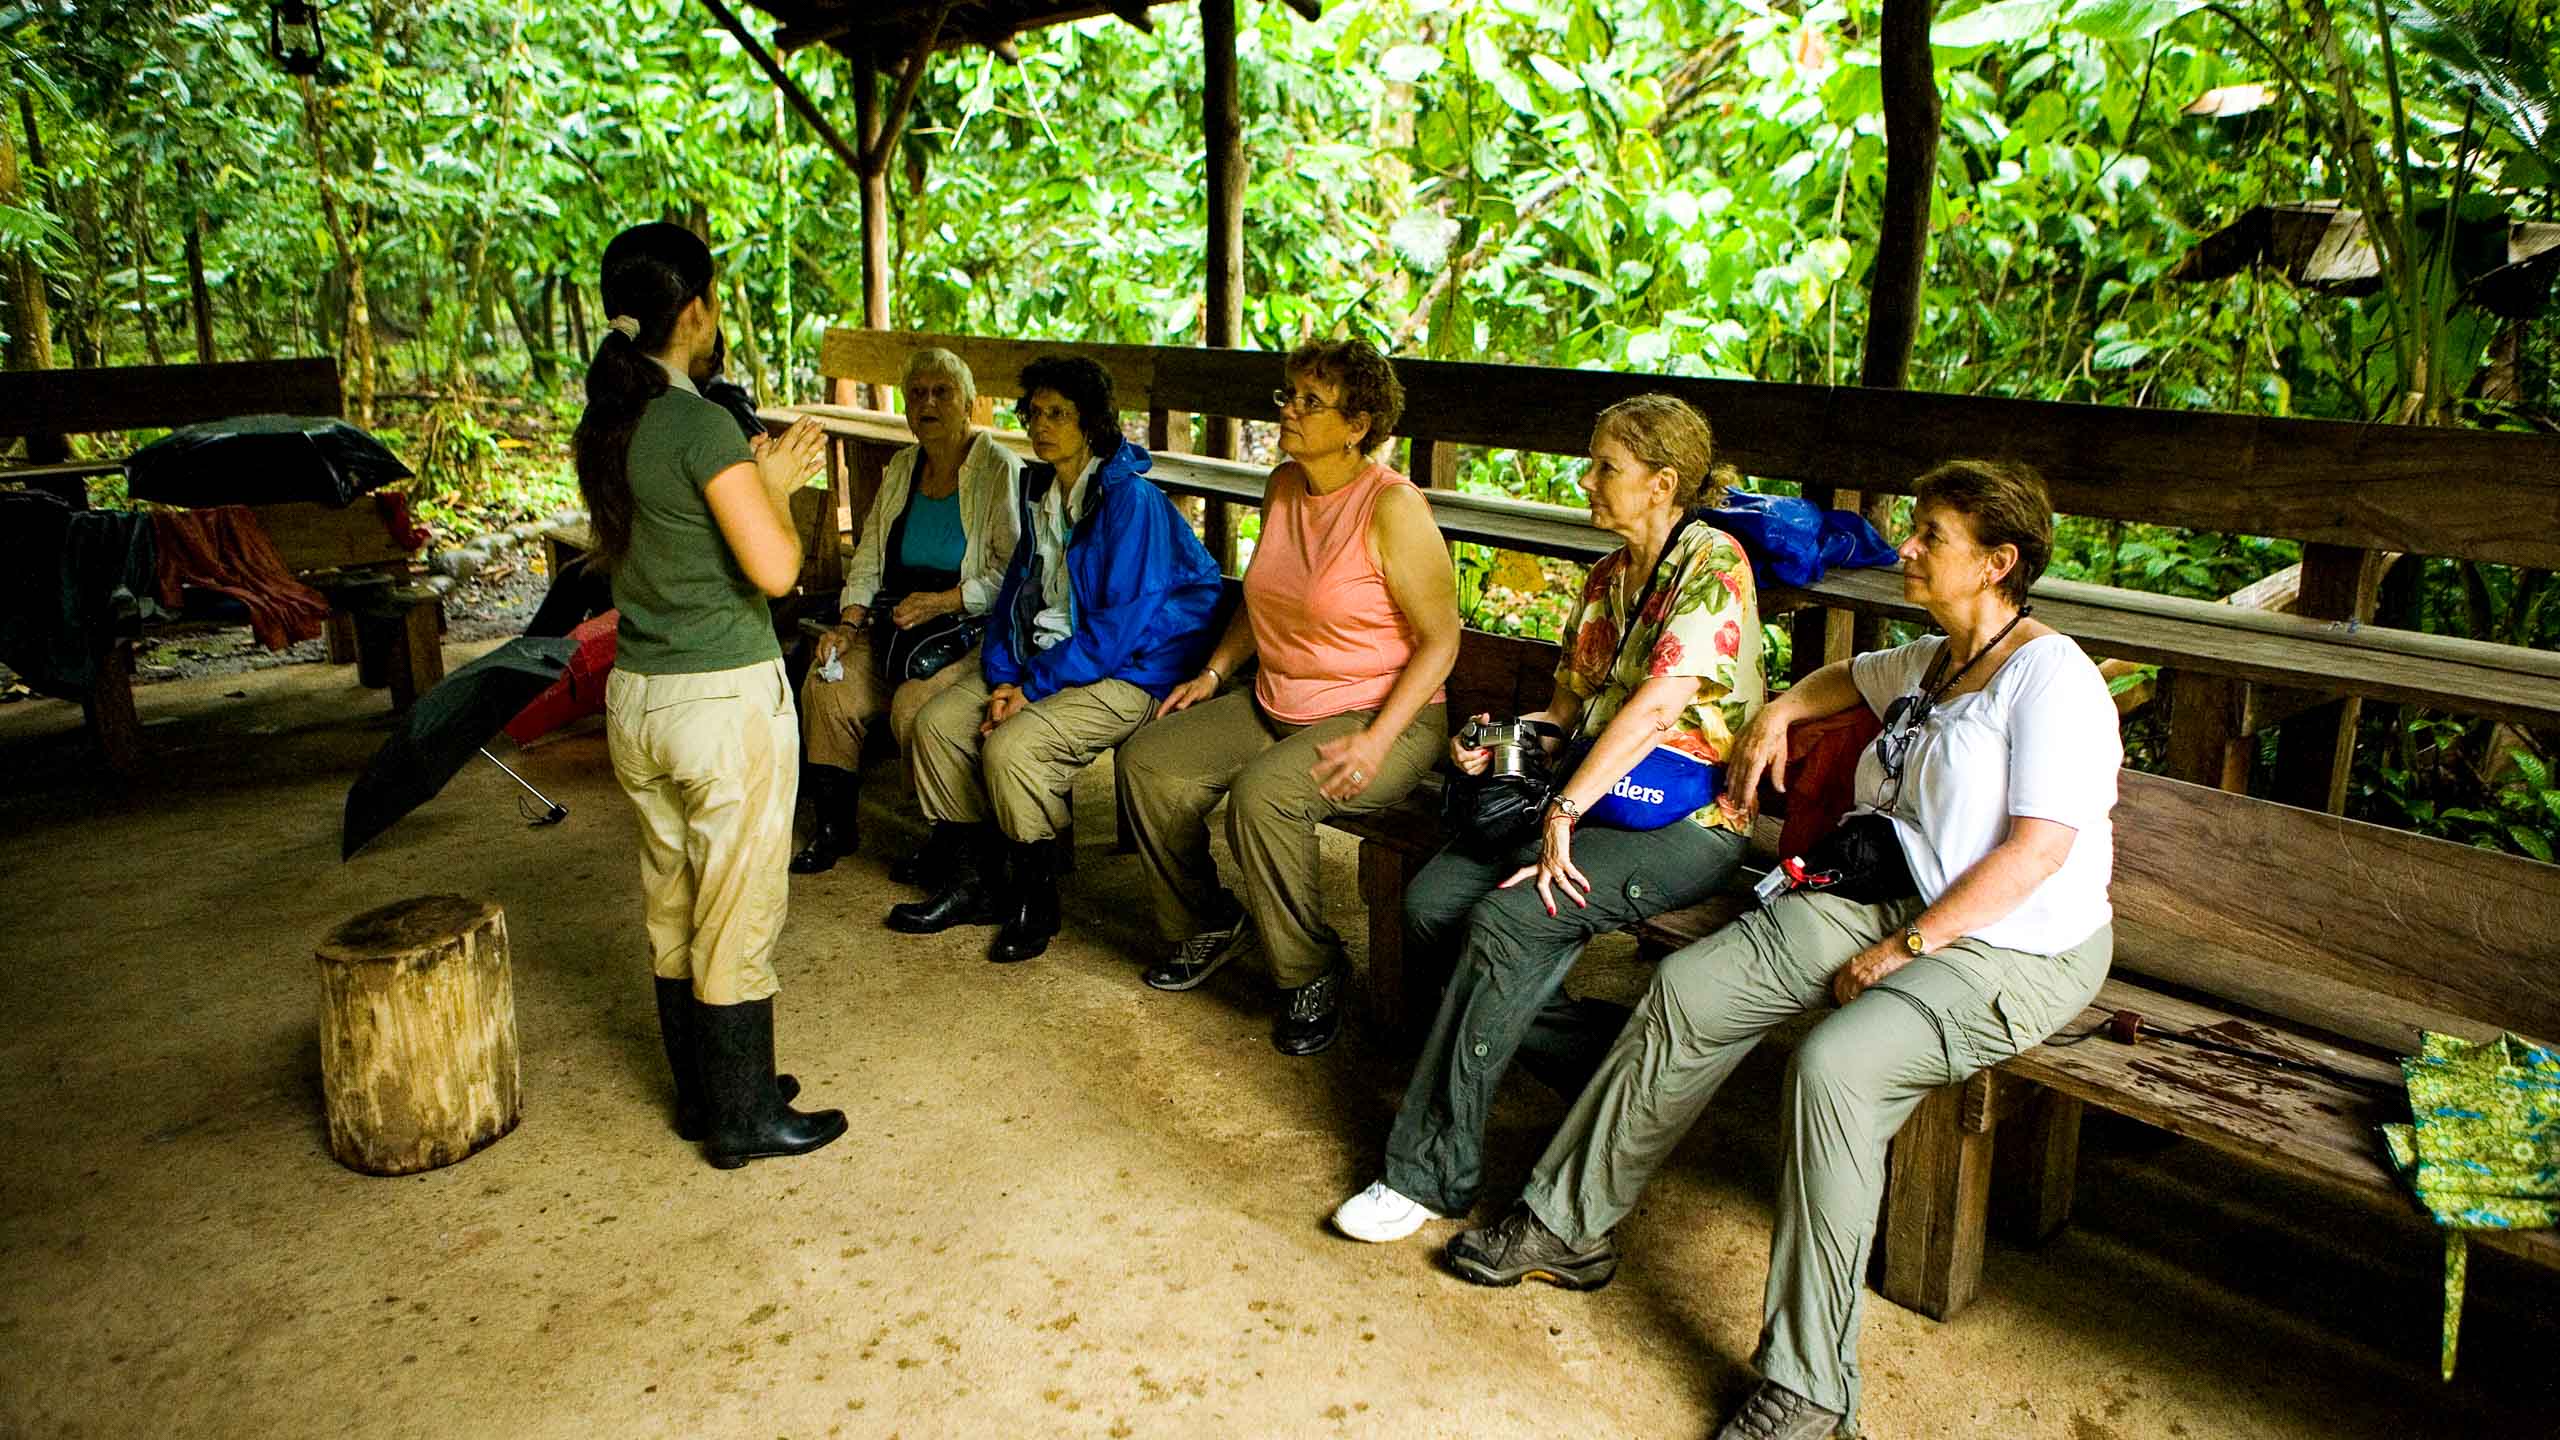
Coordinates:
<point>1516,746</point>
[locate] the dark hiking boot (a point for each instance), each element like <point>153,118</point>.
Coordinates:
<point>676,1029</point>
<point>967,895</point>
<point>1519,1247</point>
<point>835,830</point>
<point>1201,956</point>
<point>1775,1412</point>
<point>1030,904</point>
<point>920,866</point>
<point>749,1119</point>
<point>1311,1017</point>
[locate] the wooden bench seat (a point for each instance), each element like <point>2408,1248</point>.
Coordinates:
<point>393,636</point>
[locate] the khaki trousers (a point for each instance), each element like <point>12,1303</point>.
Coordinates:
<point>1174,771</point>
<point>709,762</point>
<point>836,715</point>
<point>1020,776</point>
<point>1849,1087</point>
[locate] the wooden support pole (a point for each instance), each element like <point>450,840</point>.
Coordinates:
<point>1911,122</point>
<point>2316,750</point>
<point>2206,746</point>
<point>876,148</point>
<point>875,214</point>
<point>1222,137</point>
<point>1937,1203</point>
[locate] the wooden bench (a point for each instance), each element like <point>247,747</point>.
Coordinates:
<point>393,635</point>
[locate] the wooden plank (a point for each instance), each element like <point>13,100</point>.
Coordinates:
<point>150,397</point>
<point>1937,1200</point>
<point>2205,740</point>
<point>879,357</point>
<point>312,536</point>
<point>2298,911</point>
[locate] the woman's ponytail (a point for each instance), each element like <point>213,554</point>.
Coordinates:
<point>651,273</point>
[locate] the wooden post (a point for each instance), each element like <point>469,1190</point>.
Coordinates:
<point>113,722</point>
<point>1910,80</point>
<point>1222,137</point>
<point>2206,744</point>
<point>2037,1165</point>
<point>2316,750</point>
<point>1937,1199</point>
<point>416,660</point>
<point>418,1034</point>
<point>875,206</point>
<point>1400,995</point>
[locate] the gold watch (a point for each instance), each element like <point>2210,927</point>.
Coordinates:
<point>1912,944</point>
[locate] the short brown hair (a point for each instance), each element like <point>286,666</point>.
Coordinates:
<point>1368,383</point>
<point>1666,432</point>
<point>2006,503</point>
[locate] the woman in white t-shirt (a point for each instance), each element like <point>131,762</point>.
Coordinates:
<point>1995,772</point>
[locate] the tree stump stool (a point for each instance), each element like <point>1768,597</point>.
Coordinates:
<point>418,1034</point>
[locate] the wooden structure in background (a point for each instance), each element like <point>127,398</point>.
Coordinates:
<point>418,1034</point>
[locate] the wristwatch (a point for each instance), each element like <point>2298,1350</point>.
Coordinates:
<point>1912,944</point>
<point>1565,806</point>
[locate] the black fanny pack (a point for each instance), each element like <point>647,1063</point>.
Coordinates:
<point>1861,859</point>
<point>920,651</point>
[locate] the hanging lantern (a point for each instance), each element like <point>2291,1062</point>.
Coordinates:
<point>293,36</point>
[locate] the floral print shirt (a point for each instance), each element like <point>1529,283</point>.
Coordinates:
<point>1703,620</point>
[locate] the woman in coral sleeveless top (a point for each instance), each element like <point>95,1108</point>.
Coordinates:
<point>1351,609</point>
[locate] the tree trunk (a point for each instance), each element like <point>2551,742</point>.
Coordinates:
<point>418,1057</point>
<point>31,333</point>
<point>199,295</point>
<point>534,336</point>
<point>356,345</point>
<point>577,307</point>
<point>137,213</point>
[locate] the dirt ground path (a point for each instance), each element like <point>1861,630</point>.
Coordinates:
<point>1071,1206</point>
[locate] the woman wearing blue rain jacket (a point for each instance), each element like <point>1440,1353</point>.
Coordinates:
<point>1105,607</point>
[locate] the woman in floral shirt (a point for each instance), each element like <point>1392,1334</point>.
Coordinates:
<point>1509,922</point>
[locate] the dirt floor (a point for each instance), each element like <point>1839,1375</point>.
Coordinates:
<point>1071,1206</point>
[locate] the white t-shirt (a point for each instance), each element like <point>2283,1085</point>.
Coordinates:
<point>2039,741</point>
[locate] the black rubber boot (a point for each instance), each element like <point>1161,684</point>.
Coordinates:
<point>749,1119</point>
<point>967,896</point>
<point>923,864</point>
<point>834,828</point>
<point>1030,903</point>
<point>676,1028</point>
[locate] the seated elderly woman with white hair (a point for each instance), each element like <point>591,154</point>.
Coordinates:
<point>915,599</point>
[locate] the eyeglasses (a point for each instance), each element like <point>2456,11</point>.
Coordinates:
<point>1904,720</point>
<point>1031,415</point>
<point>1302,402</point>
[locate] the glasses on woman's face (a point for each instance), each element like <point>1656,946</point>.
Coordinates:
<point>1032,415</point>
<point>1904,719</point>
<point>1302,401</point>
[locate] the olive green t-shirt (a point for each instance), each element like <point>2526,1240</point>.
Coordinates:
<point>686,605</point>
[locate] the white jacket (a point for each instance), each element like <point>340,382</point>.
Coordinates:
<point>990,476</point>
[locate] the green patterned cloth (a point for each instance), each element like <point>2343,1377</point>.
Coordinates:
<point>2483,1149</point>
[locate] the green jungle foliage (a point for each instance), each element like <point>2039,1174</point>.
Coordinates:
<point>1682,186</point>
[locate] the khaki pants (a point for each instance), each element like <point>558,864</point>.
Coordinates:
<point>709,763</point>
<point>1020,776</point>
<point>1850,1085</point>
<point>836,715</point>
<point>1174,772</point>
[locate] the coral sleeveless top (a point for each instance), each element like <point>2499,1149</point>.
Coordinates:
<point>1330,637</point>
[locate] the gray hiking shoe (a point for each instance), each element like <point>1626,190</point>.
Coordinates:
<point>1518,1247</point>
<point>1201,956</point>
<point>1775,1412</point>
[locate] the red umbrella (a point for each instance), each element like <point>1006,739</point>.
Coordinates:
<point>579,692</point>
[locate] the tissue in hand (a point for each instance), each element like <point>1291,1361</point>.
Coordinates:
<point>833,670</point>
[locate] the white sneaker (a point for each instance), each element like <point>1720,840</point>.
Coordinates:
<point>1379,1215</point>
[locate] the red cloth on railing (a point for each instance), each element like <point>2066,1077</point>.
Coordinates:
<point>1822,773</point>
<point>227,551</point>
<point>393,507</point>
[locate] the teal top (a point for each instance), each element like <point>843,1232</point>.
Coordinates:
<point>687,606</point>
<point>933,539</point>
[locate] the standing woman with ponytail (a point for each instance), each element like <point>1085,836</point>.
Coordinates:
<point>694,527</point>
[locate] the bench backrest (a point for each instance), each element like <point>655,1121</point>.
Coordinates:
<point>2352,928</point>
<point>2474,494</point>
<point>151,397</point>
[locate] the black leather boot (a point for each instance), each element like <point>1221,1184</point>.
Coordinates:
<point>967,896</point>
<point>1030,903</point>
<point>676,1028</point>
<point>749,1119</point>
<point>834,828</point>
<point>924,864</point>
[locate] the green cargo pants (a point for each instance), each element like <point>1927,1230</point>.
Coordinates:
<point>1856,1078</point>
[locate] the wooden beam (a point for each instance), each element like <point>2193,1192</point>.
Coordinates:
<point>138,397</point>
<point>1911,173</point>
<point>791,91</point>
<point>1134,12</point>
<point>1222,137</point>
<point>876,148</point>
<point>875,210</point>
<point>2315,750</point>
<point>1308,9</point>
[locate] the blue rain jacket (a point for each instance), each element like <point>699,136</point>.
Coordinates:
<point>1144,586</point>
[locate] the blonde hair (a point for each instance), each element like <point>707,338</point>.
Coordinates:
<point>1667,433</point>
<point>933,359</point>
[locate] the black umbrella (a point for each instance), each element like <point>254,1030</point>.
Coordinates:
<point>447,726</point>
<point>262,460</point>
